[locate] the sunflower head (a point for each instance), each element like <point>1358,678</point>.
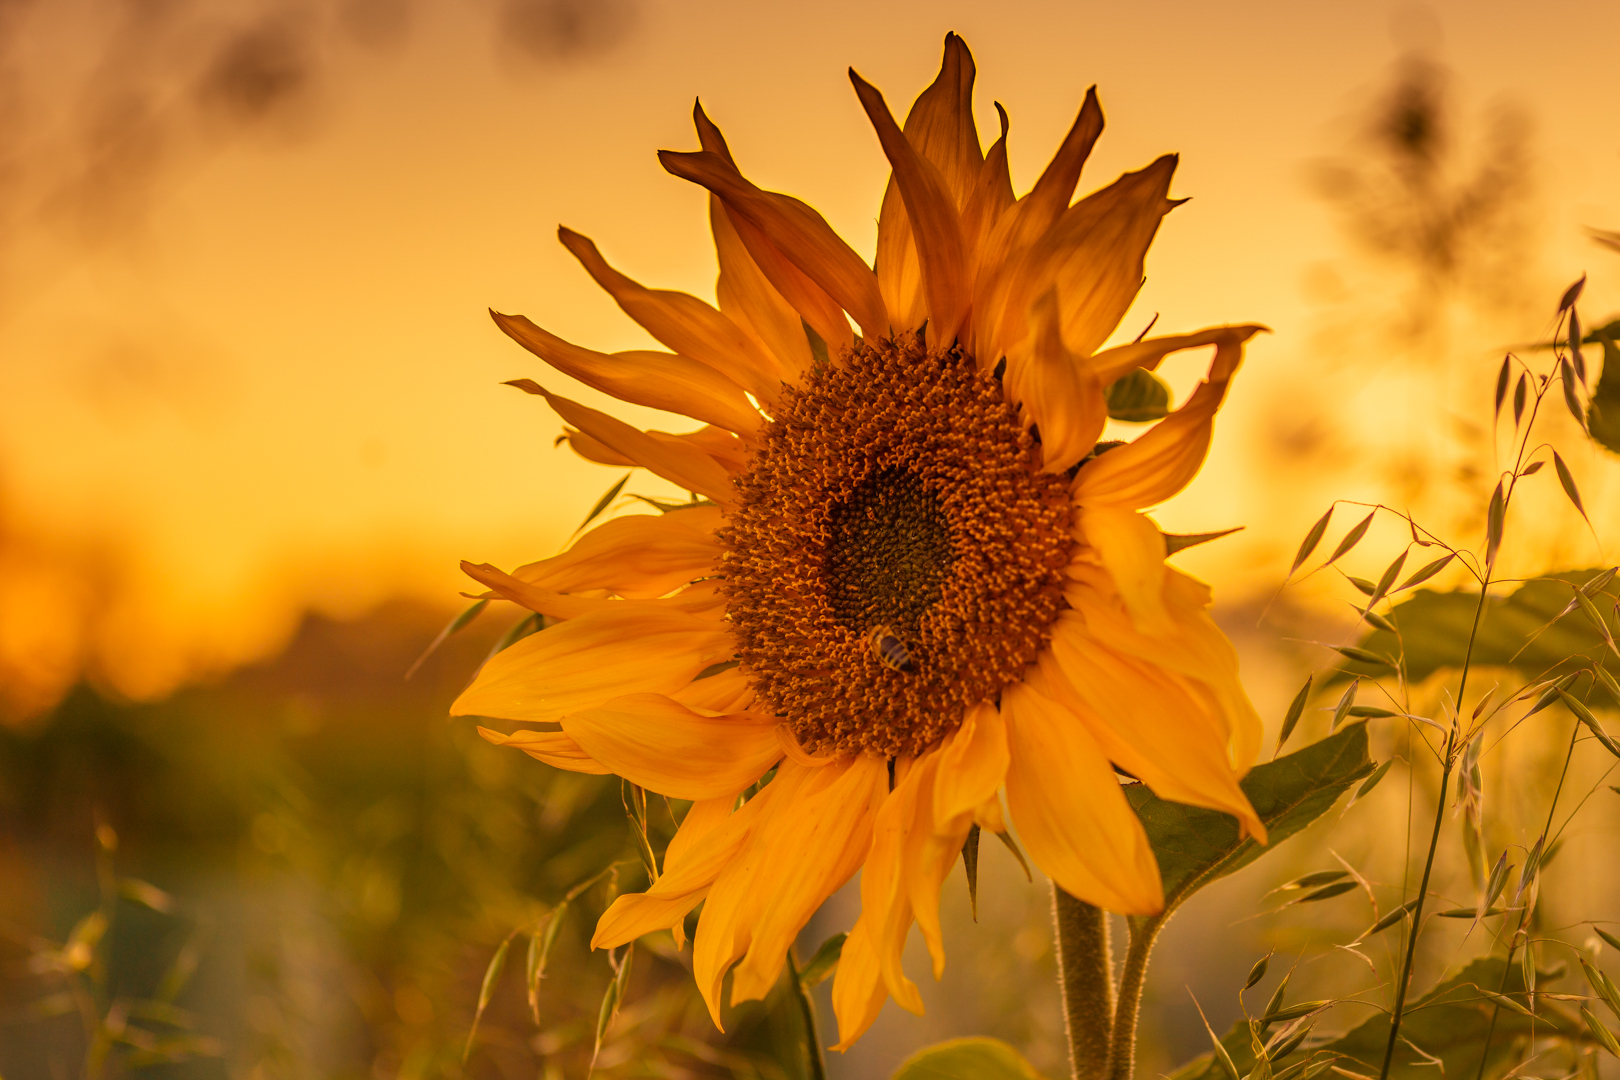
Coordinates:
<point>910,584</point>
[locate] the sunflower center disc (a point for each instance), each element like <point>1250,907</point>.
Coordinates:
<point>898,490</point>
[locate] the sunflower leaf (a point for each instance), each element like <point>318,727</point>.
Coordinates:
<point>1603,407</point>
<point>976,1058</point>
<point>1195,846</point>
<point>1138,397</point>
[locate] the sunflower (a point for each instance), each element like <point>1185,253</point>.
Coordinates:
<point>910,578</point>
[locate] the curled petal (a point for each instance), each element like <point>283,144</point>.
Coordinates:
<point>684,323</point>
<point>654,741</point>
<point>795,230</point>
<point>1164,460</point>
<point>1116,363</point>
<point>675,461</point>
<point>552,747</point>
<point>667,381</point>
<point>1062,398</point>
<point>935,221</point>
<point>638,556</point>
<point>1070,811</point>
<point>1132,550</point>
<point>579,664</point>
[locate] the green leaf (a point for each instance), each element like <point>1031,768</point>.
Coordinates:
<point>492,975</point>
<point>1372,781</point>
<point>1174,542</point>
<point>970,868</point>
<point>824,962</point>
<point>1603,408</point>
<point>1502,382</point>
<point>1296,709</point>
<point>1195,846</point>
<point>975,1058</point>
<point>1138,397</point>
<point>1312,538</point>
<point>1425,572</point>
<point>1352,538</point>
<point>1524,630</point>
<point>604,501</point>
<point>818,346</point>
<point>1495,518</point>
<point>1257,972</point>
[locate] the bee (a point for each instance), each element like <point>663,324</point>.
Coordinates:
<point>889,649</point>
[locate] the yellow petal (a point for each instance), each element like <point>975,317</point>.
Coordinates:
<point>1132,551</point>
<point>808,299</point>
<point>794,229</point>
<point>1062,398</point>
<point>1161,727</point>
<point>680,464</point>
<point>714,837</point>
<point>723,692</point>
<point>992,196</point>
<point>654,741</point>
<point>1115,363</point>
<point>667,381</point>
<point>592,449</point>
<point>858,990</point>
<point>581,663</point>
<point>1051,194</point>
<point>551,747</point>
<point>796,753</point>
<point>1096,251</point>
<point>702,598</point>
<point>1192,646</point>
<point>682,322</point>
<point>1161,462</point>
<point>972,766</point>
<point>936,223</point>
<point>638,556</point>
<point>1070,811</point>
<point>747,296</point>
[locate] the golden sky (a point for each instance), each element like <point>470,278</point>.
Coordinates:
<point>246,251</point>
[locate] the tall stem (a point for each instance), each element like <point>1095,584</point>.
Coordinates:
<point>1086,977</point>
<point>1122,1055</point>
<point>815,1061</point>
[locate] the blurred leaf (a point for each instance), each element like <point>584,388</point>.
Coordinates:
<point>1372,781</point>
<point>1195,846</point>
<point>1327,892</point>
<point>1502,383</point>
<point>1604,1036</point>
<point>824,963</point>
<point>449,630</point>
<point>1346,703</point>
<point>1257,972</point>
<point>970,868</point>
<point>1603,407</point>
<point>1392,918</point>
<point>604,502</point>
<point>976,1058</point>
<point>1568,482</point>
<point>1352,538</point>
<point>1138,397</point>
<point>1425,572</point>
<point>1174,542</point>
<point>146,895</point>
<point>1518,398</point>
<point>1495,519</point>
<point>1572,294</point>
<point>1017,853</point>
<point>1296,709</point>
<point>492,975</point>
<point>1514,630</point>
<point>1311,881</point>
<point>1312,538</point>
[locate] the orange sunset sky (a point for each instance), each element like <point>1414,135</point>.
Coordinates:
<point>246,251</point>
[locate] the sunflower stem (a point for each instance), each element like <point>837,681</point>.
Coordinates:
<point>1086,977</point>
<point>1122,1052</point>
<point>815,1061</point>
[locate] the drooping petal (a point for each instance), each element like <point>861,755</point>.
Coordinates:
<point>584,662</point>
<point>809,841</point>
<point>723,447</point>
<point>858,988</point>
<point>1067,804</point>
<point>1161,727</point>
<point>795,230</point>
<point>675,461</point>
<point>713,837</point>
<point>1063,399</point>
<point>552,747</point>
<point>667,381</point>
<point>684,323</point>
<point>936,223</point>
<point>655,741</point>
<point>972,766</point>
<point>1132,550</point>
<point>637,556</point>
<point>1162,461</point>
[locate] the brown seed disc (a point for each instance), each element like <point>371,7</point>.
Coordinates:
<point>896,489</point>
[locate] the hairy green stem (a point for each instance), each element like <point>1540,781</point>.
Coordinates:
<point>1086,977</point>
<point>815,1058</point>
<point>1122,1054</point>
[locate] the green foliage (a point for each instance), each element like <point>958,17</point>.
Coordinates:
<point>967,1059</point>
<point>1195,846</point>
<point>1603,410</point>
<point>1528,630</point>
<point>1448,1023</point>
<point>1138,397</point>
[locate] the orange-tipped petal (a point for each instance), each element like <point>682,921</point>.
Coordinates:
<point>638,556</point>
<point>654,741</point>
<point>1070,811</point>
<point>667,381</point>
<point>1162,727</point>
<point>581,663</point>
<point>676,462</point>
<point>552,747</point>
<point>936,223</point>
<point>684,323</point>
<point>800,234</point>
<point>1063,399</point>
<point>1162,461</point>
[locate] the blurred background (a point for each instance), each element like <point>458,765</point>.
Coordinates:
<point>250,421</point>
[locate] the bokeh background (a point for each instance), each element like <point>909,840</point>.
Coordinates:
<point>250,421</point>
